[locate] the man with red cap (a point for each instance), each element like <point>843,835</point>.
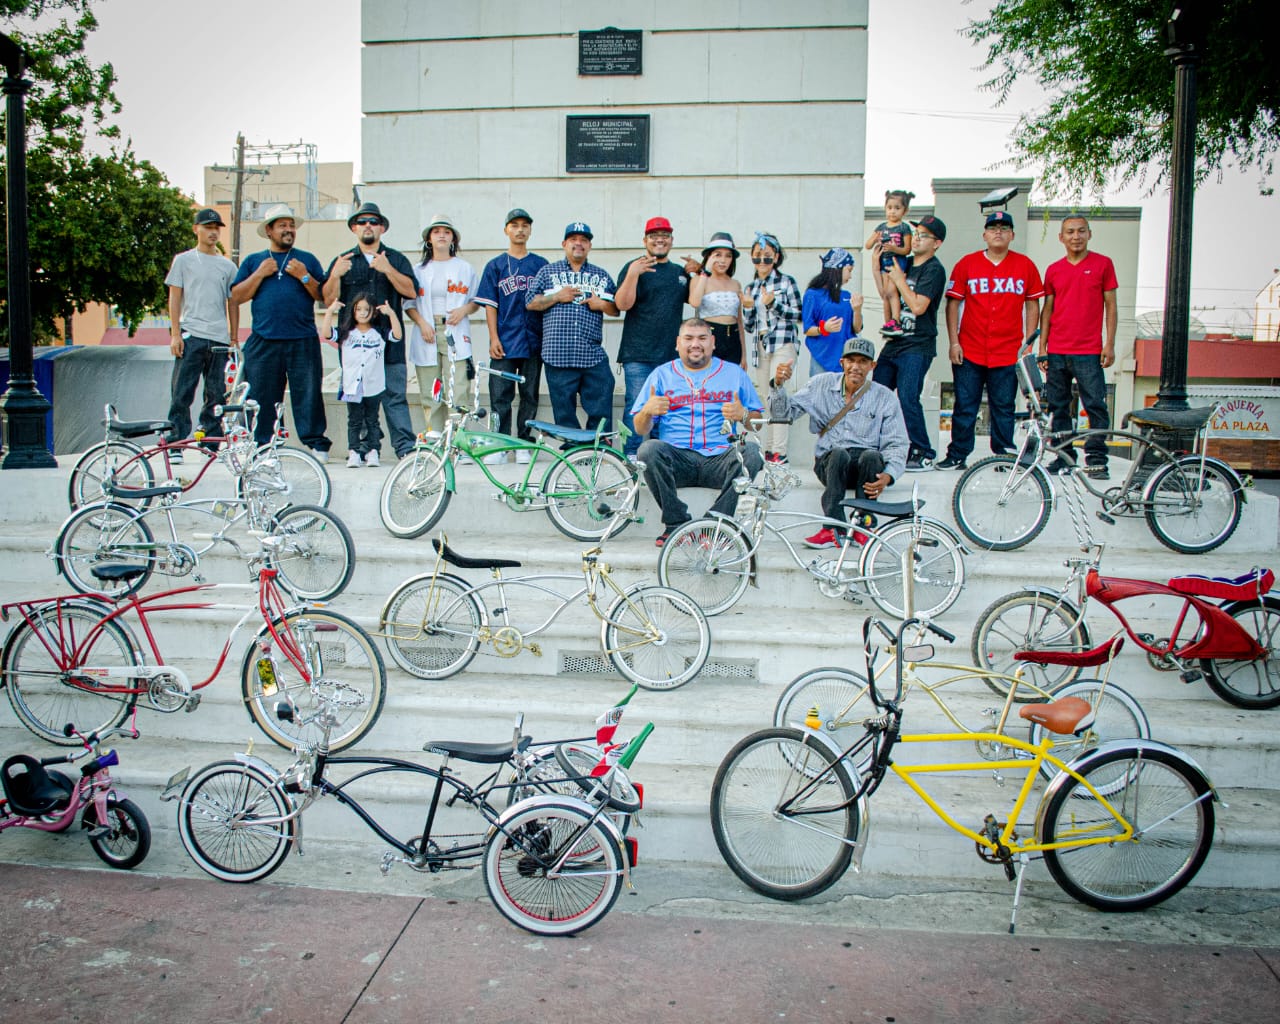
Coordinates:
<point>651,292</point>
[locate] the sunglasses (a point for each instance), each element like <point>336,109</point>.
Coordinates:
<point>757,260</point>
<point>368,220</point>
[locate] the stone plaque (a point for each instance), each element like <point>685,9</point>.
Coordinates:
<point>606,144</point>
<point>610,51</point>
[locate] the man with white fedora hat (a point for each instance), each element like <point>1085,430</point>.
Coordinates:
<point>283,284</point>
<point>385,275</point>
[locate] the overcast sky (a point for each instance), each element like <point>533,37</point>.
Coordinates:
<point>193,73</point>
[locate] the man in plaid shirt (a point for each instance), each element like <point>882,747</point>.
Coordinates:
<point>771,311</point>
<point>573,296</point>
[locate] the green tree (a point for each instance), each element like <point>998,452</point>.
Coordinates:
<point>102,227</point>
<point>1109,113</point>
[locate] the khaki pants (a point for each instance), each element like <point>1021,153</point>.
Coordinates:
<point>774,436</point>
<point>435,413</point>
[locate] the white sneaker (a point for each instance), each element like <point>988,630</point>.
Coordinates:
<point>522,456</point>
<point>496,459</point>
<point>353,460</point>
<point>320,456</point>
<point>371,458</point>
<point>465,460</point>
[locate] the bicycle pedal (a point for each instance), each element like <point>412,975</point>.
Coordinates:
<point>99,832</point>
<point>192,703</point>
<point>1110,521</point>
<point>1192,675</point>
<point>387,860</point>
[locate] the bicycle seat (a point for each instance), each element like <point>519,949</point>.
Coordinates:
<point>138,428</point>
<point>453,558</point>
<point>1169,419</point>
<point>1064,717</point>
<point>158,491</point>
<point>476,753</point>
<point>574,434</point>
<point>889,509</point>
<point>1225,588</point>
<point>117,573</point>
<point>31,789</point>
<point>1099,655</point>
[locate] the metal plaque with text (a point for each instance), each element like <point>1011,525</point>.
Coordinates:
<point>601,144</point>
<point>610,51</point>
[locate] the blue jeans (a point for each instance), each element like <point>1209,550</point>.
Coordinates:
<point>593,384</point>
<point>198,360</point>
<point>1001,383</point>
<point>268,364</point>
<point>904,372</point>
<point>395,407</point>
<point>633,377</point>
<point>668,468</point>
<point>1089,378</point>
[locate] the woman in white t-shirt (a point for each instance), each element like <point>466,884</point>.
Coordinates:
<point>362,352</point>
<point>441,334</point>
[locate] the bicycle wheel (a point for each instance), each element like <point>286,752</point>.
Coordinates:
<point>1190,512</point>
<point>414,495</point>
<point>656,637</point>
<point>432,627</point>
<point>708,559</point>
<point>1250,684</point>
<point>836,693</point>
<point>937,579</point>
<point>551,870</point>
<point>342,665</point>
<point>999,506</point>
<point>229,821</point>
<point>1117,716</point>
<point>285,476</point>
<point>577,763</point>
<point>791,853</point>
<point>1028,621</point>
<point>127,837</point>
<point>1173,830</point>
<point>39,663</point>
<point>316,555</point>
<point>121,459</point>
<point>585,491</point>
<point>111,534</point>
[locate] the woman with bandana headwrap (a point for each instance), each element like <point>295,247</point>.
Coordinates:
<point>830,315</point>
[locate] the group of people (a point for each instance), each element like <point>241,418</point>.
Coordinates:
<point>685,379</point>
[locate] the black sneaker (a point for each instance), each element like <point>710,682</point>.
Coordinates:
<point>1097,471</point>
<point>950,462</point>
<point>1060,467</point>
<point>919,463</point>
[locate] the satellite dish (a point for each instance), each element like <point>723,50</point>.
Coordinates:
<point>997,197</point>
<point>1151,325</point>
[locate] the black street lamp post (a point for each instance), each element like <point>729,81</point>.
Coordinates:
<point>22,406</point>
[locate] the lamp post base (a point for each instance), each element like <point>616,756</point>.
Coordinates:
<point>23,410</point>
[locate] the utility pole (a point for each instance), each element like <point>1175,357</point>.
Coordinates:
<point>237,201</point>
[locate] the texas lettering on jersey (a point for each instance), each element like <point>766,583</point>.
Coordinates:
<point>994,286</point>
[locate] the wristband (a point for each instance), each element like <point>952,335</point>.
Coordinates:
<point>822,329</point>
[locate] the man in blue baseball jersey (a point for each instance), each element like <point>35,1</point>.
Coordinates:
<point>690,400</point>
<point>515,334</point>
<point>573,296</point>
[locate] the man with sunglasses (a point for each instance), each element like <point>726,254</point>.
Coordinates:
<point>651,292</point>
<point>771,314</point>
<point>905,359</point>
<point>373,269</point>
<point>1000,292</point>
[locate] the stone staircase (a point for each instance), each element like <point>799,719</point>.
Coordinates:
<point>779,629</point>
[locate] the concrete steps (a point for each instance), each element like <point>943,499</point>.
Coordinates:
<point>778,630</point>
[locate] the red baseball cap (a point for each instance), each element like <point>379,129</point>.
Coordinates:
<point>657,224</point>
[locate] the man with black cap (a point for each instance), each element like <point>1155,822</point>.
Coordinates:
<point>373,269</point>
<point>1000,291</point>
<point>573,296</point>
<point>203,321</point>
<point>652,292</point>
<point>515,334</point>
<point>283,283</point>
<point>862,441</point>
<point>905,359</point>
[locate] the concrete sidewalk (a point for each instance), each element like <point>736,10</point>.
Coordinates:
<point>101,945</point>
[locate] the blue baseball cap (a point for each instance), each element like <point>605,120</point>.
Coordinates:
<point>578,228</point>
<point>999,219</point>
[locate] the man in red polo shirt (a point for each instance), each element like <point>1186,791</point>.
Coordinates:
<point>1000,291</point>
<point>1079,289</point>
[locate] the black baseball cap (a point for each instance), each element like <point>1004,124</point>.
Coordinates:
<point>516,213</point>
<point>207,216</point>
<point>934,226</point>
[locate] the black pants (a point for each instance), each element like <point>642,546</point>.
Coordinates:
<point>502,392</point>
<point>199,358</point>
<point>842,469</point>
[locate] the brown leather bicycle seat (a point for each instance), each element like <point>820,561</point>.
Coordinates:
<point>1099,655</point>
<point>1064,717</point>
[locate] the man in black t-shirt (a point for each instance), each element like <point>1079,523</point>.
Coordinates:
<point>904,361</point>
<point>651,292</point>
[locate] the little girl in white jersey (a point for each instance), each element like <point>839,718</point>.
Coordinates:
<point>362,350</point>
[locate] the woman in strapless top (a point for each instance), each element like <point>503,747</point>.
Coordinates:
<point>718,297</point>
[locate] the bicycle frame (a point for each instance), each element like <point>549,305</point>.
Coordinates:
<point>95,789</point>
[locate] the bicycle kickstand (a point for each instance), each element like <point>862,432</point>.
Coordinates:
<point>1023,861</point>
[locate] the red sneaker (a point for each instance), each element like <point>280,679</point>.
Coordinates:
<point>824,538</point>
